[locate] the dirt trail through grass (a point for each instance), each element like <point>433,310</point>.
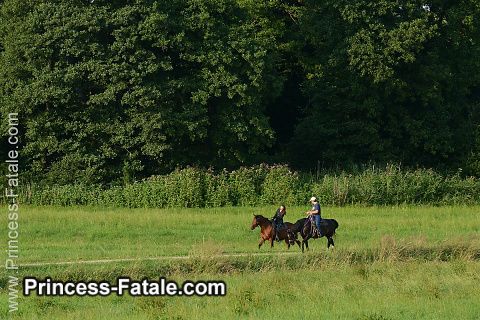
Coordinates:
<point>161,258</point>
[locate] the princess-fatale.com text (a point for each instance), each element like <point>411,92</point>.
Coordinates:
<point>123,285</point>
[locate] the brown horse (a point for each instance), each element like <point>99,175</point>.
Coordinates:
<point>266,231</point>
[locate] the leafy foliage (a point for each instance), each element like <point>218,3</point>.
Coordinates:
<point>111,92</point>
<point>379,81</point>
<point>267,185</point>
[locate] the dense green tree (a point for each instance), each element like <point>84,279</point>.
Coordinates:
<point>388,80</point>
<point>112,91</point>
<point>130,88</point>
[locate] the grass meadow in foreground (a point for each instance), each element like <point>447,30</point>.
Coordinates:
<point>322,290</point>
<point>388,263</point>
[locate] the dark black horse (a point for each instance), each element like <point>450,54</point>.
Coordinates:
<point>304,227</point>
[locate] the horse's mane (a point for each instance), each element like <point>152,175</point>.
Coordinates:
<point>297,226</point>
<point>261,218</point>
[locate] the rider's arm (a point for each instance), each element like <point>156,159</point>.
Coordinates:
<point>275,215</point>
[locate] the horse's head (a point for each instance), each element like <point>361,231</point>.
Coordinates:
<point>254,222</point>
<point>259,221</point>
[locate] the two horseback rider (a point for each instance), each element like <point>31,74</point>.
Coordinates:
<point>314,214</point>
<point>310,227</point>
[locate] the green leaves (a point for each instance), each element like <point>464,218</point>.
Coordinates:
<point>135,88</point>
<point>376,51</point>
<point>388,80</point>
<point>148,83</point>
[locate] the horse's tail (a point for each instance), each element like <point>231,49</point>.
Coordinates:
<point>335,225</point>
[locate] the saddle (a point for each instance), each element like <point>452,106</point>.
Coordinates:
<point>314,232</point>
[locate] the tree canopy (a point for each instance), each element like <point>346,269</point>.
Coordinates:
<point>112,91</point>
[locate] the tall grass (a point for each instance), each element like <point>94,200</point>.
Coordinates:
<point>266,185</point>
<point>366,291</point>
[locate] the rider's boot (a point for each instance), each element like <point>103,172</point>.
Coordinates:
<point>319,232</point>
<point>291,237</point>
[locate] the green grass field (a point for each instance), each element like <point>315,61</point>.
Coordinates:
<point>388,263</point>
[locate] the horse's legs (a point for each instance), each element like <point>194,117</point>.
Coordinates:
<point>298,243</point>
<point>287,239</point>
<point>271,242</point>
<point>260,242</point>
<point>330,242</point>
<point>305,243</point>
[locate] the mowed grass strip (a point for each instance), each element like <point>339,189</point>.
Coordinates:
<point>50,234</point>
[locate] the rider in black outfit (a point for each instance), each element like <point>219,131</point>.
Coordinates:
<point>278,220</point>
